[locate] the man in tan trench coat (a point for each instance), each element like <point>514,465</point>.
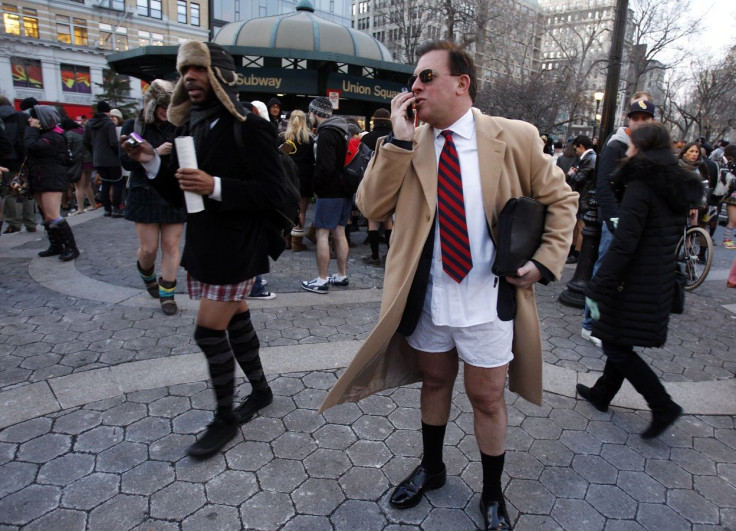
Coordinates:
<point>430,318</point>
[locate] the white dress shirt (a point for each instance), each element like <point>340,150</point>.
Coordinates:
<point>472,301</point>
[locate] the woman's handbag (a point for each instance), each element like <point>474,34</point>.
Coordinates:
<point>74,172</point>
<point>20,185</point>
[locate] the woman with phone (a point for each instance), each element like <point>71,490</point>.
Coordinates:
<point>157,223</point>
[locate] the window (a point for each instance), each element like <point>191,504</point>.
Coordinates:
<point>63,29</point>
<point>117,41</point>
<point>80,32</point>
<point>76,79</point>
<point>144,38</point>
<point>15,24</point>
<point>149,8</point>
<point>194,14</point>
<point>181,11</point>
<point>157,39</point>
<point>106,39</point>
<point>117,5</point>
<point>26,72</point>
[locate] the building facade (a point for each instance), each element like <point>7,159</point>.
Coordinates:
<point>55,51</point>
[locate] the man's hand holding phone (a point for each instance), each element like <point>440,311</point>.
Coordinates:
<point>136,147</point>
<point>402,115</point>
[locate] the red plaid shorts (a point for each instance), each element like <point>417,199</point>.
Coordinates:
<point>215,292</point>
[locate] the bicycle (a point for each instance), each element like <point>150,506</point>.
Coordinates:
<point>694,252</point>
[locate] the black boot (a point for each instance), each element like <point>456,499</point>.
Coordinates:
<point>219,432</point>
<point>664,410</point>
<point>166,290</point>
<point>67,240</point>
<point>601,394</point>
<point>56,247</point>
<point>149,279</point>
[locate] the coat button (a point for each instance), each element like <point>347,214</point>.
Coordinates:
<point>620,288</point>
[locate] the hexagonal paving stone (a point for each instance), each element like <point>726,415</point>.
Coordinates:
<point>232,487</point>
<point>594,469</point>
<point>281,475</point>
<point>121,457</point>
<point>177,501</point>
<point>293,445</point>
<point>66,469</point>
<point>611,501</point>
<point>148,430</point>
<point>124,414</point>
<point>369,453</point>
<point>373,428</point>
<point>529,496</point>
<point>249,456</point>
<point>44,448</point>
<point>266,510</point>
<point>99,439</point>
<point>303,421</point>
<point>220,517</point>
<point>564,482</point>
<point>317,496</point>
<point>147,478</point>
<point>577,515</point>
<point>90,491</point>
<point>361,483</point>
<point>59,519</point>
<point>200,470</point>
<point>29,503</point>
<point>355,515</point>
<point>15,475</point>
<point>77,422</point>
<point>169,406</point>
<point>121,512</point>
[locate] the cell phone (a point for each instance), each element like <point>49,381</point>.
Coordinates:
<point>134,140</point>
<point>409,109</point>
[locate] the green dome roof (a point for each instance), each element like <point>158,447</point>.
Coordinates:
<point>302,30</point>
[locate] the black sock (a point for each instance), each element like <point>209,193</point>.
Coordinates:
<point>492,469</point>
<point>433,438</point>
<point>245,344</point>
<point>387,237</point>
<point>373,242</point>
<point>221,365</point>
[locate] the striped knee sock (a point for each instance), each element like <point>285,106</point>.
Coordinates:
<point>221,365</point>
<point>245,345</point>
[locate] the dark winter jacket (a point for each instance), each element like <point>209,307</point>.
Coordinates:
<point>155,135</point>
<point>75,139</point>
<point>6,148</point>
<point>304,160</point>
<point>332,144</point>
<point>610,159</point>
<point>635,284</point>
<point>230,240</point>
<point>46,151</point>
<point>380,130</point>
<point>15,127</point>
<point>101,139</point>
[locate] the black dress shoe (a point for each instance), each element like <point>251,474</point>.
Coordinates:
<point>495,515</point>
<point>409,492</point>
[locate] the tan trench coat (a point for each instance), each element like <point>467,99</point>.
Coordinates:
<point>404,183</point>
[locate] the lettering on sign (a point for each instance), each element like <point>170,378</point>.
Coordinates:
<point>368,90</point>
<point>253,80</point>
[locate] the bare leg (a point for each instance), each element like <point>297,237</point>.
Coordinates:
<point>439,371</point>
<point>303,205</point>
<point>147,244</point>
<point>485,390</point>
<point>341,250</point>
<point>323,252</point>
<point>170,254</point>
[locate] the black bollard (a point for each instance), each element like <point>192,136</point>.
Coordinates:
<point>574,295</point>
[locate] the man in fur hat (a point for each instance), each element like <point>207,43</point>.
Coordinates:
<point>229,242</point>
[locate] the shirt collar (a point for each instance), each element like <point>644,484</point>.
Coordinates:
<point>464,127</point>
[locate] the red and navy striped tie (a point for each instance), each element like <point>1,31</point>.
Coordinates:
<point>454,242</point>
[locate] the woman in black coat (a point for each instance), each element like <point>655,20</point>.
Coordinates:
<point>46,154</point>
<point>631,295</point>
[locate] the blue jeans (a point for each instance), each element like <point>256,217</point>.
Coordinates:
<point>606,239</point>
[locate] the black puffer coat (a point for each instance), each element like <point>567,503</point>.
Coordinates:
<point>45,151</point>
<point>636,280</point>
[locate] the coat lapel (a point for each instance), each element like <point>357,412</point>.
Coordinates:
<point>425,165</point>
<point>490,161</point>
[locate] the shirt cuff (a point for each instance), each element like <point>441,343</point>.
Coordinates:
<point>403,144</point>
<point>547,275</point>
<point>217,192</point>
<point>153,166</point>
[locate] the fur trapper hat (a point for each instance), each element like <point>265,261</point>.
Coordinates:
<point>159,93</point>
<point>220,72</point>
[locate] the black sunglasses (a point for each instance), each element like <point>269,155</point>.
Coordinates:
<point>426,76</point>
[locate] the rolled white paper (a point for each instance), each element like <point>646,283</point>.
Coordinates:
<point>188,159</point>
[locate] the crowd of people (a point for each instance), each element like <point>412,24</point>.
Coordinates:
<point>443,184</point>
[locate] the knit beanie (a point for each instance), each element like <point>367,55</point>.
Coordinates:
<point>159,93</point>
<point>321,106</point>
<point>220,72</point>
<point>28,103</point>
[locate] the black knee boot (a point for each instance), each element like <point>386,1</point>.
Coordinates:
<point>601,394</point>
<point>220,362</point>
<point>67,240</point>
<point>245,345</point>
<point>56,248</point>
<point>664,410</point>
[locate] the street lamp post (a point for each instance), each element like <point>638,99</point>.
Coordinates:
<point>598,97</point>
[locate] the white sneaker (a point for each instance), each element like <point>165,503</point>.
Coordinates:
<point>316,285</point>
<point>586,334</point>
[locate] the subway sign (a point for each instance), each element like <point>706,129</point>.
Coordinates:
<point>277,80</point>
<point>362,88</point>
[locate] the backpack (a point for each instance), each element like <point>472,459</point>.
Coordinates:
<point>357,157</point>
<point>73,164</point>
<point>284,217</point>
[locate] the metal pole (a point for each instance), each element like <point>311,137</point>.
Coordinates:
<point>614,70</point>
